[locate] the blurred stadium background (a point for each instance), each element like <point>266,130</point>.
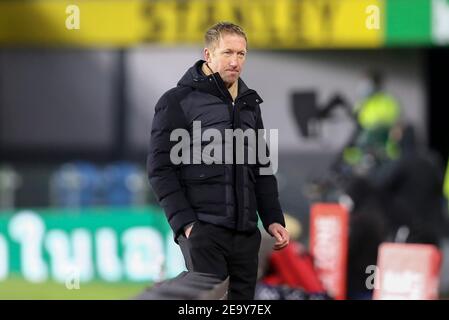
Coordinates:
<point>78,84</point>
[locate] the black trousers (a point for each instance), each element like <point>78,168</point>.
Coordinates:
<point>224,252</point>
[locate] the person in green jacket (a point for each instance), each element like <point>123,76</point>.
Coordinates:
<point>377,114</point>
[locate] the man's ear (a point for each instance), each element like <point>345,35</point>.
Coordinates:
<point>207,54</point>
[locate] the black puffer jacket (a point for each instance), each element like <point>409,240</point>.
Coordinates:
<point>223,194</point>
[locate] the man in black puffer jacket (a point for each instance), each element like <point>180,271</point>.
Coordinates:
<point>212,192</point>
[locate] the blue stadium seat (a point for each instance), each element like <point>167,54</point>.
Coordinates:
<point>76,184</point>
<point>124,184</point>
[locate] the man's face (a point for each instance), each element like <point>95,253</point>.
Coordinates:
<point>227,57</point>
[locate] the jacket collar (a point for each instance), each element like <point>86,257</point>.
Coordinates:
<point>213,84</point>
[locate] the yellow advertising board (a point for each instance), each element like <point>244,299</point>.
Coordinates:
<point>72,23</point>
<point>269,24</point>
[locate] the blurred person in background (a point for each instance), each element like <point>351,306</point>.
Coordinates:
<point>212,208</point>
<point>411,189</point>
<point>372,144</point>
<point>376,114</point>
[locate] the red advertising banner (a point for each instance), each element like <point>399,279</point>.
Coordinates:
<point>329,246</point>
<point>407,272</point>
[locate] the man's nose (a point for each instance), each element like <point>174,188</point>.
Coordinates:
<point>234,61</point>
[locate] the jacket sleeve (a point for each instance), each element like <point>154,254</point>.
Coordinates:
<point>268,205</point>
<point>161,171</point>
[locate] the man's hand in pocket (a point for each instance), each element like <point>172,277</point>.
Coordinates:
<point>188,229</point>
